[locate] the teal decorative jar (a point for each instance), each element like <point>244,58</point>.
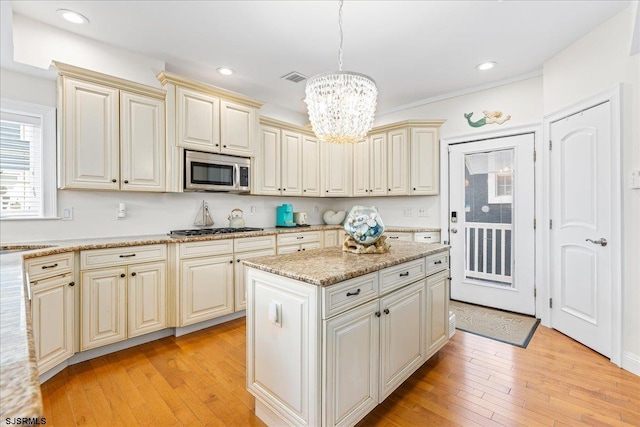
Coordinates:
<point>364,224</point>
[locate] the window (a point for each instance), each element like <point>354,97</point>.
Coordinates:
<point>27,160</point>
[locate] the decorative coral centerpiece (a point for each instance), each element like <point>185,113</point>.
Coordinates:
<point>364,227</point>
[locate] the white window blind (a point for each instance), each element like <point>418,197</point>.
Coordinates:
<point>24,190</point>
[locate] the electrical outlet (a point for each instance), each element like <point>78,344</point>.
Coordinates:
<point>67,214</point>
<point>423,212</point>
<point>253,210</point>
<point>408,212</point>
<point>316,209</point>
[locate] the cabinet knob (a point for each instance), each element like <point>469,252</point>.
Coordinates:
<point>114,180</point>
<point>298,250</point>
<point>389,190</point>
<point>122,275</point>
<point>327,191</point>
<point>378,314</point>
<point>284,189</point>
<point>238,260</point>
<point>303,249</point>
<point>126,181</point>
<point>414,188</point>
<point>224,146</point>
<point>386,311</point>
<point>72,284</point>
<point>231,262</point>
<point>217,145</point>
<point>304,191</point>
<point>133,274</point>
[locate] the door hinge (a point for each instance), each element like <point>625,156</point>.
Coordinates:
<point>550,302</point>
<point>534,155</point>
<point>534,223</point>
<point>535,292</point>
<point>550,224</point>
<point>550,145</point>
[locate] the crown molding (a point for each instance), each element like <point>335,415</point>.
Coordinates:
<point>267,121</point>
<point>405,124</point>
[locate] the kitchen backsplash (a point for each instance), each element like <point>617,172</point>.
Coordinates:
<point>95,213</point>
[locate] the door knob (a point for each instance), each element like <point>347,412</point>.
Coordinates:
<point>454,230</point>
<point>602,241</point>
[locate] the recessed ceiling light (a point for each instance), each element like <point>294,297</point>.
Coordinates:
<point>72,16</point>
<point>486,65</point>
<point>225,71</point>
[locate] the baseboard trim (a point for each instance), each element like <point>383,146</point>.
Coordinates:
<point>631,363</point>
<point>208,323</point>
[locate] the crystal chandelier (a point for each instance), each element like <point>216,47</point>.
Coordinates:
<point>341,104</point>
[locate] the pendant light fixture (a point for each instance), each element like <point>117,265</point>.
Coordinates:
<point>342,104</point>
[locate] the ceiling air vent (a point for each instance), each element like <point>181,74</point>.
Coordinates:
<point>295,77</point>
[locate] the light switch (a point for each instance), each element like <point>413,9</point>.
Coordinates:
<point>634,179</point>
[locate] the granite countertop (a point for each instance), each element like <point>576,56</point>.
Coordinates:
<point>313,266</point>
<point>19,379</point>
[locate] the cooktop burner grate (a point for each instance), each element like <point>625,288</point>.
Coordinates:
<point>209,231</point>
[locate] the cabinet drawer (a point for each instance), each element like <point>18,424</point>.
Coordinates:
<point>437,262</point>
<point>345,295</point>
<point>254,243</point>
<point>49,266</point>
<point>407,237</point>
<point>296,238</point>
<point>400,275</point>
<point>206,248</point>
<point>427,237</point>
<point>111,257</point>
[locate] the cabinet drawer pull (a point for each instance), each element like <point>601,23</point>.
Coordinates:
<point>122,275</point>
<point>72,283</point>
<point>44,267</point>
<point>378,314</point>
<point>405,274</point>
<point>349,294</point>
<point>438,262</point>
<point>133,274</point>
<point>300,237</point>
<point>127,256</point>
<point>426,237</point>
<point>393,237</point>
<point>386,311</point>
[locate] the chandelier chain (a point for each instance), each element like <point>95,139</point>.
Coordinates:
<point>341,36</point>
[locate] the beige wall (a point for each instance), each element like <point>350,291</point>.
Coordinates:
<point>596,63</point>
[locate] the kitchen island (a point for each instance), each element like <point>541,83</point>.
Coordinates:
<point>331,334</point>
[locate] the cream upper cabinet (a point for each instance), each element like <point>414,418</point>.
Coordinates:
<point>336,161</point>
<point>90,129</point>
<point>398,163</point>
<point>238,128</point>
<point>310,166</point>
<point>198,123</point>
<point>370,166</point>
<point>291,163</point>
<point>361,166</point>
<point>425,161</point>
<point>112,132</point>
<point>267,165</point>
<point>142,143</point>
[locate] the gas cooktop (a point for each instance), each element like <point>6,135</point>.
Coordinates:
<point>208,231</point>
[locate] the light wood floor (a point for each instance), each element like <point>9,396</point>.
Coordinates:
<point>199,379</point>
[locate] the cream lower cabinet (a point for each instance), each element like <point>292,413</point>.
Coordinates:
<point>205,289</point>
<point>399,235</point>
<point>247,248</point>
<point>332,238</point>
<point>52,311</point>
<point>438,311</point>
<point>297,242</point>
<point>123,293</point>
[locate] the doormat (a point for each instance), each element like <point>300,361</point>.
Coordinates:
<point>503,326</point>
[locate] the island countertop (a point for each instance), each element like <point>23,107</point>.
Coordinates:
<point>328,266</point>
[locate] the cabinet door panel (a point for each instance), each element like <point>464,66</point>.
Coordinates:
<point>438,303</point>
<point>239,282</point>
<point>361,171</point>
<point>351,345</point>
<point>310,166</point>
<point>90,136</point>
<point>52,311</point>
<point>336,160</point>
<point>237,129</point>
<point>402,336</point>
<point>198,120</point>
<point>147,304</point>
<point>378,158</point>
<point>206,289</point>
<point>142,136</point>
<point>398,163</point>
<point>268,173</point>
<point>425,161</point>
<point>103,307</point>
<point>291,163</point>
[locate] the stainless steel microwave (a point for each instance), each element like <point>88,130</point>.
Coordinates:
<point>216,172</point>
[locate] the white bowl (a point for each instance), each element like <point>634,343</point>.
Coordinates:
<point>334,218</point>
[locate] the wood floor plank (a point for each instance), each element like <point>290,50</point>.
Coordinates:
<point>199,379</point>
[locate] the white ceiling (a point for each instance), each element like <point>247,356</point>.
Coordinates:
<point>415,50</point>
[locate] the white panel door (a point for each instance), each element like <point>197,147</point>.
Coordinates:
<point>310,166</point>
<point>198,119</point>
<point>580,260</point>
<point>425,161</point>
<point>351,345</point>
<point>268,173</point>
<point>147,302</point>
<point>90,136</point>
<point>336,160</point>
<point>492,237</point>
<point>398,163</point>
<point>378,170</point>
<point>437,311</point>
<point>291,163</point>
<point>142,141</point>
<point>237,129</point>
<point>361,167</point>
